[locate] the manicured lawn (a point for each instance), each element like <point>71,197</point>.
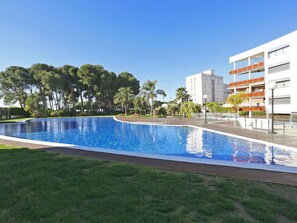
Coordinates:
<point>37,186</point>
<point>14,120</point>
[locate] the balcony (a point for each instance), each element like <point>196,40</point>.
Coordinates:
<point>257,94</point>
<point>248,68</point>
<point>246,82</point>
<point>254,108</point>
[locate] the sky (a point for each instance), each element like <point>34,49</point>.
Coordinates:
<point>163,40</point>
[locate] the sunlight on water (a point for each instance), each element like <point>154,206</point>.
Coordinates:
<point>106,133</point>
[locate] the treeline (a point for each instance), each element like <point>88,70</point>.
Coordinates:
<point>46,90</point>
<point>89,88</point>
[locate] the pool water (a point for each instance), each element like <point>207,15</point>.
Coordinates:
<point>183,141</point>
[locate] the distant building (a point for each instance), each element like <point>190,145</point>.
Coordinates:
<point>207,83</point>
<point>254,69</point>
<point>226,91</point>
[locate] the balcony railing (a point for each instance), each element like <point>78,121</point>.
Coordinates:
<point>247,82</point>
<point>257,94</point>
<point>247,68</point>
<point>254,108</point>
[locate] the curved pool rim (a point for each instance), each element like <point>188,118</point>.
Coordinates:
<point>196,160</point>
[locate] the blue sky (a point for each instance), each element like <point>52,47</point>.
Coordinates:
<point>164,40</point>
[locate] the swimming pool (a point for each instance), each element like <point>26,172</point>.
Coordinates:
<point>182,142</point>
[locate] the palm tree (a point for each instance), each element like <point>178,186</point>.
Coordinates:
<point>181,95</point>
<point>124,96</point>
<point>236,100</point>
<point>161,92</point>
<point>140,102</point>
<point>148,89</point>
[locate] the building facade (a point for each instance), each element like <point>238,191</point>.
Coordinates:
<point>254,69</point>
<point>206,82</point>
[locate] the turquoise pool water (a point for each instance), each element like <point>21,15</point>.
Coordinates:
<point>107,133</point>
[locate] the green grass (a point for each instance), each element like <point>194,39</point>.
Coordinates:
<point>13,120</point>
<point>38,186</point>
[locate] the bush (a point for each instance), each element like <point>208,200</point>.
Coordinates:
<point>256,113</point>
<point>34,106</point>
<point>241,113</point>
<point>224,110</point>
<point>62,112</point>
<point>19,111</point>
<point>161,111</point>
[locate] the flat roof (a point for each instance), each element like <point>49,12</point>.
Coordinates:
<point>259,50</point>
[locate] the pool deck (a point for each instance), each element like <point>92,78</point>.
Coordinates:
<point>281,139</point>
<point>233,172</point>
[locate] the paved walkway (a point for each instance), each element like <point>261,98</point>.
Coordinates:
<point>242,173</point>
<point>281,139</point>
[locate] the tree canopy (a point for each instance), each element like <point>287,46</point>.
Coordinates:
<point>91,88</point>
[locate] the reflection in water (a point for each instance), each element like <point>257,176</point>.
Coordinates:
<point>205,144</point>
<point>153,139</point>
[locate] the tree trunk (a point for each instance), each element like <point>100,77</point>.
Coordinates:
<point>73,101</point>
<point>126,109</point>
<point>89,100</point>
<point>82,102</point>
<point>152,107</point>
<point>57,101</point>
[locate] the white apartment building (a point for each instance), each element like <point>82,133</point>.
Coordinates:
<point>254,69</point>
<point>207,83</point>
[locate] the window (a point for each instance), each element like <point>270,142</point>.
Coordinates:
<point>279,68</point>
<point>278,52</point>
<point>281,101</point>
<point>283,84</point>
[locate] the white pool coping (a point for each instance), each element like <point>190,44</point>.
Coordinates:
<point>276,168</point>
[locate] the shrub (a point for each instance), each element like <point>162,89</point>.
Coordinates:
<point>256,113</point>
<point>224,110</point>
<point>62,112</point>
<point>19,111</point>
<point>34,106</point>
<point>243,113</point>
<point>161,111</point>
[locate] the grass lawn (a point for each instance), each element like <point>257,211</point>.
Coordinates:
<point>38,186</point>
<point>13,120</point>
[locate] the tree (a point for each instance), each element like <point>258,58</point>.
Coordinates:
<point>35,107</point>
<point>236,100</point>
<point>161,92</point>
<point>124,96</point>
<point>15,85</point>
<point>140,103</point>
<point>148,90</point>
<point>189,107</point>
<point>90,77</point>
<point>214,106</point>
<point>39,73</point>
<point>109,86</point>
<point>182,95</point>
<point>126,79</point>
<point>71,84</point>
<point>172,108</point>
